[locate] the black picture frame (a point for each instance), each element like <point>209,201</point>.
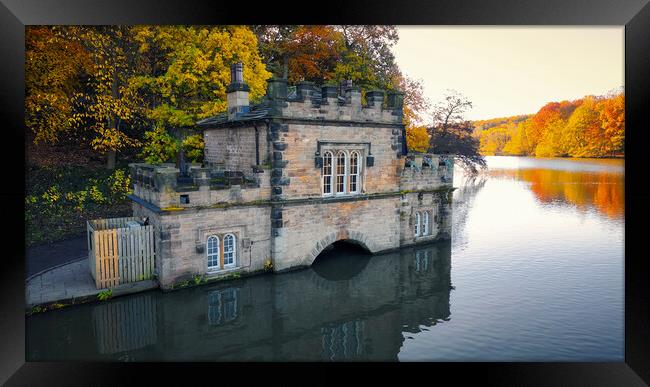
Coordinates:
<point>634,14</point>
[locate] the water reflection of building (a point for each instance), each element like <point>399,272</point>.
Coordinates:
<point>343,341</point>
<point>295,316</point>
<point>222,306</point>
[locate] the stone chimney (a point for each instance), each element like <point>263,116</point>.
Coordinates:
<point>237,92</point>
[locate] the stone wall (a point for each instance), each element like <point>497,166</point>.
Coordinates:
<point>307,229</point>
<point>181,237</point>
<point>303,177</point>
<point>439,208</point>
<point>234,149</point>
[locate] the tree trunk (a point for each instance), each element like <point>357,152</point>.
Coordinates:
<point>114,122</point>
<point>110,160</point>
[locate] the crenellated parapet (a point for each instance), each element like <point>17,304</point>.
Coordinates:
<point>310,101</point>
<point>426,172</point>
<point>160,186</point>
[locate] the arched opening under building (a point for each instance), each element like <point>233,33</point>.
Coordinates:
<point>342,260</point>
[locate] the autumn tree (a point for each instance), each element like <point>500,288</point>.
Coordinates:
<point>583,134</point>
<point>493,140</point>
<point>612,117</point>
<point>54,67</point>
<point>451,133</point>
<point>272,40</point>
<point>313,52</point>
<point>368,59</point>
<point>186,70</point>
<point>107,106</point>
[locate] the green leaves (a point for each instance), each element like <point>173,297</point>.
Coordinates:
<point>159,147</point>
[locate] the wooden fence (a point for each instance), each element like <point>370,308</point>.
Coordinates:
<point>118,254</point>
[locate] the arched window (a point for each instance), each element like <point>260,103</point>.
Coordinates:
<point>212,251</point>
<point>327,173</point>
<point>425,226</point>
<point>354,172</point>
<point>417,224</point>
<point>229,250</point>
<point>341,167</point>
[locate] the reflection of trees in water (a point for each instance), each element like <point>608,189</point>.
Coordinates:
<point>463,198</point>
<point>603,191</point>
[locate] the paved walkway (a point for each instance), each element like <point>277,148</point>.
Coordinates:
<point>69,282</point>
<point>47,256</point>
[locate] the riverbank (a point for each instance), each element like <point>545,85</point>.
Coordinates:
<point>70,284</point>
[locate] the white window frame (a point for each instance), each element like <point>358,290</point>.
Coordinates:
<point>425,224</point>
<point>357,175</point>
<point>345,173</point>
<point>330,175</point>
<point>217,253</point>
<point>234,251</point>
<point>417,224</point>
<point>333,155</point>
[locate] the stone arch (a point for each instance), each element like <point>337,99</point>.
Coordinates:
<point>342,235</point>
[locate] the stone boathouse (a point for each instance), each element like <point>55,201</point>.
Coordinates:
<point>286,178</point>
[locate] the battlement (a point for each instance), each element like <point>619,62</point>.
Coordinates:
<point>426,172</point>
<point>163,187</point>
<point>310,101</point>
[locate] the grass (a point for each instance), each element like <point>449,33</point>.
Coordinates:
<point>105,295</point>
<point>59,200</point>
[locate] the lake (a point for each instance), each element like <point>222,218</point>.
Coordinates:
<point>534,272</point>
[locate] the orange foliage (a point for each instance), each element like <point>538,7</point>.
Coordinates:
<point>601,191</point>
<point>588,127</point>
<point>315,50</point>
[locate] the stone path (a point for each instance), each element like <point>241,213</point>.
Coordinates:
<point>71,281</point>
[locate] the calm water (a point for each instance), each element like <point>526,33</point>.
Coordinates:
<point>534,272</point>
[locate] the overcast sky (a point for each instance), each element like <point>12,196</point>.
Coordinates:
<point>512,70</point>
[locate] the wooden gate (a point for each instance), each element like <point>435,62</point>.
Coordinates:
<point>118,254</point>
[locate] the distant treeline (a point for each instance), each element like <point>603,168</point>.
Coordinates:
<point>593,126</point>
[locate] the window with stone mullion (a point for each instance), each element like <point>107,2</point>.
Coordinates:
<point>328,162</point>
<point>341,172</point>
<point>354,172</point>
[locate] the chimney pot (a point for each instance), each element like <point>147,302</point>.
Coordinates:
<point>237,92</point>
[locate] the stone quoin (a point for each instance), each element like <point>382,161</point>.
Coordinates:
<point>284,179</point>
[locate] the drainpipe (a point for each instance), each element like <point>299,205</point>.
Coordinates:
<point>257,146</point>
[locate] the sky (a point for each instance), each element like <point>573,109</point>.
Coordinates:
<point>510,70</point>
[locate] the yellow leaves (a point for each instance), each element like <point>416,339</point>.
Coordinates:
<point>111,139</point>
<point>417,138</point>
<point>196,69</point>
<point>591,127</point>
